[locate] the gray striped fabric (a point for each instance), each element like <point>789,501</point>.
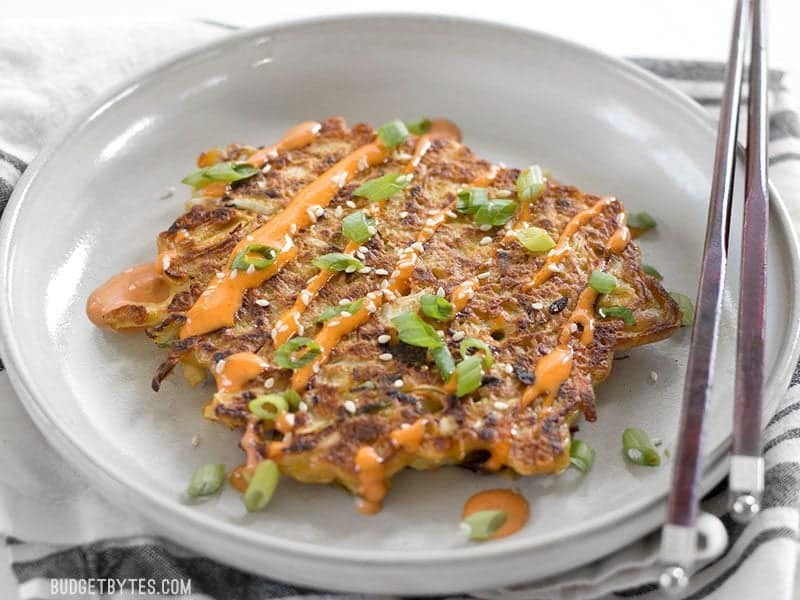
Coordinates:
<point>764,551</point>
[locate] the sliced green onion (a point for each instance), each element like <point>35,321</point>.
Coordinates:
<point>617,312</point>
<point>335,311</point>
<point>206,480</point>
<point>262,485</point>
<point>535,239</point>
<point>224,171</point>
<point>469,201</point>
<point>285,355</point>
<point>686,306</point>
<point>393,133</point>
<point>641,220</point>
<point>468,344</point>
<point>605,283</point>
<point>419,126</point>
<point>383,187</point>
<point>436,307</point>
<point>653,272</point>
<point>337,261</point>
<point>483,524</point>
<point>257,256</point>
<point>496,212</point>
<point>415,332</point>
<point>268,406</point>
<point>358,226</point>
<point>530,183</point>
<point>639,449</point>
<point>581,455</point>
<point>444,361</point>
<point>469,375</point>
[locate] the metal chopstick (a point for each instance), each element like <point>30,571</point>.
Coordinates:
<point>746,478</point>
<point>679,534</point>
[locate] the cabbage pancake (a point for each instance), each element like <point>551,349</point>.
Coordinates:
<point>368,301</point>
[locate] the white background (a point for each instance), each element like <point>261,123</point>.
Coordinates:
<point>653,28</point>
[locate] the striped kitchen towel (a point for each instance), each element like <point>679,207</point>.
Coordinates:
<point>58,530</point>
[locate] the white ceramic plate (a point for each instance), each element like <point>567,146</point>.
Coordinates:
<point>89,207</point>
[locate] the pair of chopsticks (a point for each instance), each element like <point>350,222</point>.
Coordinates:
<point>746,478</point>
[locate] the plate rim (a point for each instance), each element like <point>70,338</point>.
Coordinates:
<point>24,384</point>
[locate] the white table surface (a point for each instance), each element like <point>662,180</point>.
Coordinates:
<point>697,29</point>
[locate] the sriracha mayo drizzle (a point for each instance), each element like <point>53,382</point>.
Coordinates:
<point>298,136</point>
<point>145,284</point>
<point>233,372</point>
<point>217,306</point>
<point>409,438</point>
<point>371,480</point>
<point>510,502</point>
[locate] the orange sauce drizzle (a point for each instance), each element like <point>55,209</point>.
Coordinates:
<point>371,480</point>
<point>217,306</point>
<point>513,504</point>
<point>562,246</point>
<point>237,369</point>
<point>463,293</point>
<point>240,476</point>
<point>409,438</point>
<point>143,284</point>
<point>621,237</point>
<point>298,136</point>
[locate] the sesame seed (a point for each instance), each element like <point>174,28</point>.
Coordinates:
<point>365,270</point>
<point>305,297</point>
<point>300,330</point>
<point>220,275</point>
<point>537,306</point>
<point>220,366</point>
<point>363,249</point>
<point>485,227</point>
<point>262,302</point>
<point>338,212</point>
<point>167,193</point>
<point>440,292</point>
<point>485,241</point>
<point>302,407</point>
<point>381,272</point>
<point>508,369</point>
<point>344,301</point>
<point>398,383</point>
<point>395,273</point>
<point>315,368</point>
<point>384,339</point>
<point>653,376</point>
<point>350,204</point>
<point>385,356</point>
<point>502,193</point>
<point>501,405</point>
<point>289,418</point>
<point>293,228</point>
<point>403,214</point>
<point>458,336</point>
<point>350,406</point>
<point>657,441</point>
<point>319,212</point>
<point>165,261</point>
<point>384,284</point>
<point>312,215</point>
<point>340,178</point>
<point>360,255</point>
<point>371,308</point>
<point>350,269</point>
<point>249,237</point>
<point>345,314</point>
<point>195,441</point>
<point>372,230</point>
<point>405,426</point>
<point>484,275</point>
<point>573,327</point>
<point>251,269</point>
<point>269,383</point>
<point>363,163</point>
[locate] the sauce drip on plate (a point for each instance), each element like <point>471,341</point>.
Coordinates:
<point>145,284</point>
<point>513,504</point>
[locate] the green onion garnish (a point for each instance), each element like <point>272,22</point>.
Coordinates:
<point>581,455</point>
<point>470,200</point>
<point>224,171</point>
<point>468,344</point>
<point>686,306</point>
<point>393,133</point>
<point>257,256</point>
<point>436,307</point>
<point>206,480</point>
<point>358,226</point>
<point>285,355</point>
<point>484,524</point>
<point>530,183</point>
<point>535,239</point>
<point>653,272</point>
<point>639,449</point>
<point>641,220</point>
<point>335,311</point>
<point>617,312</point>
<point>469,375</point>
<point>444,361</point>
<point>268,406</point>
<point>495,212</point>
<point>415,332</point>
<point>337,261</point>
<point>262,486</point>
<point>383,187</point>
<point>419,126</point>
<point>605,283</point>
